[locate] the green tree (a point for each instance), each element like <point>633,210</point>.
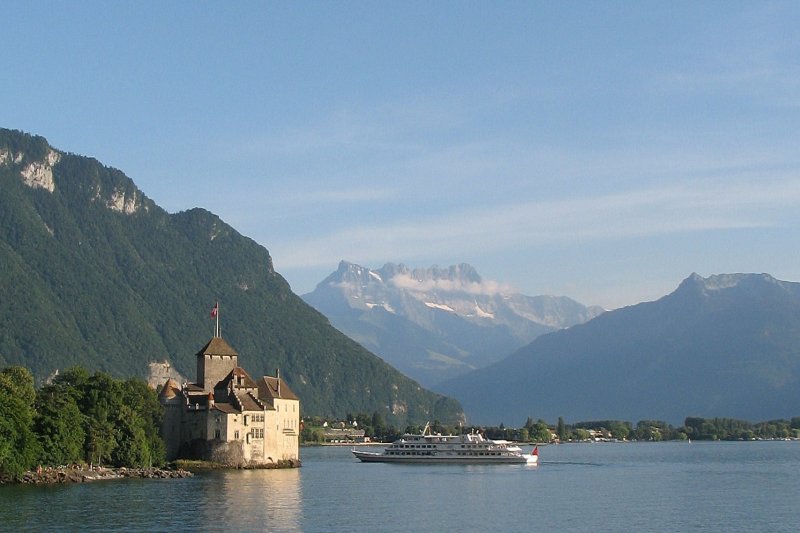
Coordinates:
<point>100,440</point>
<point>131,447</point>
<point>653,430</point>
<point>541,432</point>
<point>59,425</point>
<point>619,429</point>
<point>100,402</point>
<point>561,429</point>
<point>311,434</point>
<point>73,381</point>
<point>19,447</point>
<point>581,434</point>
<point>379,429</point>
<point>143,424</point>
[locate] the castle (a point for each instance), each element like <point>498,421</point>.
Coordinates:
<point>227,416</point>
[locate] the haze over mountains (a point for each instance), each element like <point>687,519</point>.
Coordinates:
<point>726,345</point>
<point>94,273</point>
<point>437,323</point>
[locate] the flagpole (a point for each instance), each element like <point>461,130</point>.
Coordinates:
<point>216,333</point>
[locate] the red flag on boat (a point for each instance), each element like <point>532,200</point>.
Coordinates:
<point>214,310</point>
<point>535,451</point>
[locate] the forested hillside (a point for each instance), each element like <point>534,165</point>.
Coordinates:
<point>94,273</point>
<point>723,346</point>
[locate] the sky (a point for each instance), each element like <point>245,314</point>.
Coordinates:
<point>598,150</point>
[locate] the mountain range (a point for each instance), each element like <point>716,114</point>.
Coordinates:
<point>437,323</point>
<point>722,346</point>
<point>94,273</point>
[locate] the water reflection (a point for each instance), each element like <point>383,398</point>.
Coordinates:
<point>623,487</point>
<point>255,500</point>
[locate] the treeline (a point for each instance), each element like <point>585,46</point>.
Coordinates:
<point>77,418</point>
<point>731,429</point>
<point>694,428</point>
<point>374,426</point>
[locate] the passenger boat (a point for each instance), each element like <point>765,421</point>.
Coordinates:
<point>470,448</point>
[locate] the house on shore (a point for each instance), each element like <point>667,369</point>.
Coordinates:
<point>227,416</point>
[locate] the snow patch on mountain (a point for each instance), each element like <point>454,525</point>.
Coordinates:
<point>384,305</point>
<point>440,306</point>
<point>481,313</point>
<point>444,321</point>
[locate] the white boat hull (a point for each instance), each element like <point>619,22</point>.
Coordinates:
<point>375,457</point>
<point>427,448</point>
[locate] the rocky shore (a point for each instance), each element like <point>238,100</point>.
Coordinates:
<point>85,474</point>
<point>198,465</point>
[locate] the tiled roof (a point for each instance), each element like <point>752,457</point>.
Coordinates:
<point>268,389</point>
<point>170,389</point>
<point>226,408</point>
<point>243,379</point>
<point>248,402</point>
<point>240,379</point>
<point>217,346</point>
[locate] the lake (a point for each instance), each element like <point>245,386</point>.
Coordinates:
<point>702,486</point>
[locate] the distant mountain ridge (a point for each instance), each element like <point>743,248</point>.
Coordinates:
<point>436,323</point>
<point>727,345</point>
<point>94,273</point>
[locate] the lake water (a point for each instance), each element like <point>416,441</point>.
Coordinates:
<point>702,486</point>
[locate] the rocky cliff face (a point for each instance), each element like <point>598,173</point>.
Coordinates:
<point>93,273</point>
<point>35,162</point>
<point>40,173</point>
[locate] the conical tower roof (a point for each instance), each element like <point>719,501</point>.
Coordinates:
<point>217,346</point>
<point>170,389</point>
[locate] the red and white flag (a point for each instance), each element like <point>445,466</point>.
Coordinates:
<point>215,310</point>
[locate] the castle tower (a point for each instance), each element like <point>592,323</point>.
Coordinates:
<point>214,362</point>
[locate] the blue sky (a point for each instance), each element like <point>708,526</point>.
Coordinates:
<point>599,150</point>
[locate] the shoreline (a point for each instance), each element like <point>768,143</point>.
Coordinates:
<point>51,476</point>
<point>87,474</point>
<point>201,465</point>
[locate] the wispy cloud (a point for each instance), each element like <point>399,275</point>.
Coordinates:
<point>688,207</point>
<point>485,287</point>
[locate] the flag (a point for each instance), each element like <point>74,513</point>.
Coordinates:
<point>214,310</point>
<point>535,451</point>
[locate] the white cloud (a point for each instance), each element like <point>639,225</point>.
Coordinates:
<point>696,206</point>
<point>485,287</point>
